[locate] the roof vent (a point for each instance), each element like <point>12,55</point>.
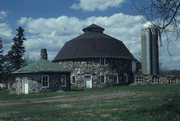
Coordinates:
<point>44,54</point>
<point>94,28</point>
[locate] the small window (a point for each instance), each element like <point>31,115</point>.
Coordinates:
<point>126,78</point>
<point>73,79</point>
<point>63,80</point>
<point>102,79</point>
<point>155,79</point>
<point>139,79</point>
<point>115,78</point>
<point>169,80</point>
<point>45,81</point>
<point>103,61</point>
<point>120,79</point>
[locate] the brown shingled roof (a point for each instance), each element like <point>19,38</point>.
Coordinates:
<point>93,43</point>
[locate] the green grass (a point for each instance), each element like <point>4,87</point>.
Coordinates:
<point>158,103</point>
<point>157,89</point>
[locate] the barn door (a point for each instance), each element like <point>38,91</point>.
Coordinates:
<point>25,86</point>
<point>88,81</point>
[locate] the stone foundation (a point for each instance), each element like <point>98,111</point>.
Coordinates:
<point>154,79</point>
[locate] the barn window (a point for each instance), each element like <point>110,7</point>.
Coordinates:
<point>45,81</point>
<point>115,78</point>
<point>73,79</point>
<point>139,79</point>
<point>126,78</point>
<point>171,80</point>
<point>63,80</point>
<point>120,79</point>
<point>103,61</point>
<point>102,79</point>
<point>155,79</point>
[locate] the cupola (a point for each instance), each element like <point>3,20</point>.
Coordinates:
<point>93,28</point>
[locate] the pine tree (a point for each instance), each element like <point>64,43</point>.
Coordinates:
<point>1,57</point>
<point>15,55</point>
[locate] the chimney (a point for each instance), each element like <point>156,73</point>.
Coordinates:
<point>44,54</point>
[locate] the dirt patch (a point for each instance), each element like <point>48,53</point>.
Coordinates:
<point>105,115</point>
<point>107,96</point>
<point>64,105</point>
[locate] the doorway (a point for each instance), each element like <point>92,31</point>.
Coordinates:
<point>88,81</point>
<point>25,86</point>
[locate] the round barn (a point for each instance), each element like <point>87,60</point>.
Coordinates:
<point>96,59</point>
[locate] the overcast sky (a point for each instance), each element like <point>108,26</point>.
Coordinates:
<point>50,23</point>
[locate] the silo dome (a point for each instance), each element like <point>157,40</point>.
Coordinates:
<point>93,43</point>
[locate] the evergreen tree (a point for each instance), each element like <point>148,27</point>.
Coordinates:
<point>1,57</point>
<point>15,55</point>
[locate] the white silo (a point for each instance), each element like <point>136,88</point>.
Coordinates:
<point>149,48</point>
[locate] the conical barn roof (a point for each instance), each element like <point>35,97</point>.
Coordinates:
<point>93,44</point>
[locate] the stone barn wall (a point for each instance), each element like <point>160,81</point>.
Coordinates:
<point>2,86</point>
<point>82,67</point>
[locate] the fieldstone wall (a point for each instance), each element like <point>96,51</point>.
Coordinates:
<point>82,67</point>
<point>2,86</point>
<point>16,86</point>
<point>154,79</point>
<point>35,84</point>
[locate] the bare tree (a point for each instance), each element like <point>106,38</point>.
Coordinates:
<point>160,13</point>
<point>164,15</point>
<point>28,59</point>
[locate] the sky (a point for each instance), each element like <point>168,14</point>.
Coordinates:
<point>50,23</point>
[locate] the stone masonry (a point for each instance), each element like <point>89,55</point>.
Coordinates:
<point>154,79</point>
<point>93,67</point>
<point>35,84</point>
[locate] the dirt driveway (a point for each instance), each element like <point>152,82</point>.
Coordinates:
<point>107,96</point>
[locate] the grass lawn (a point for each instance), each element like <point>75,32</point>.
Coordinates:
<point>148,103</point>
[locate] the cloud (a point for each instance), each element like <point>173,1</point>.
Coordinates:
<point>23,20</point>
<point>92,5</point>
<point>5,32</point>
<point>3,14</point>
<point>49,33</point>
<point>52,33</point>
<point>169,53</point>
<point>6,36</point>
